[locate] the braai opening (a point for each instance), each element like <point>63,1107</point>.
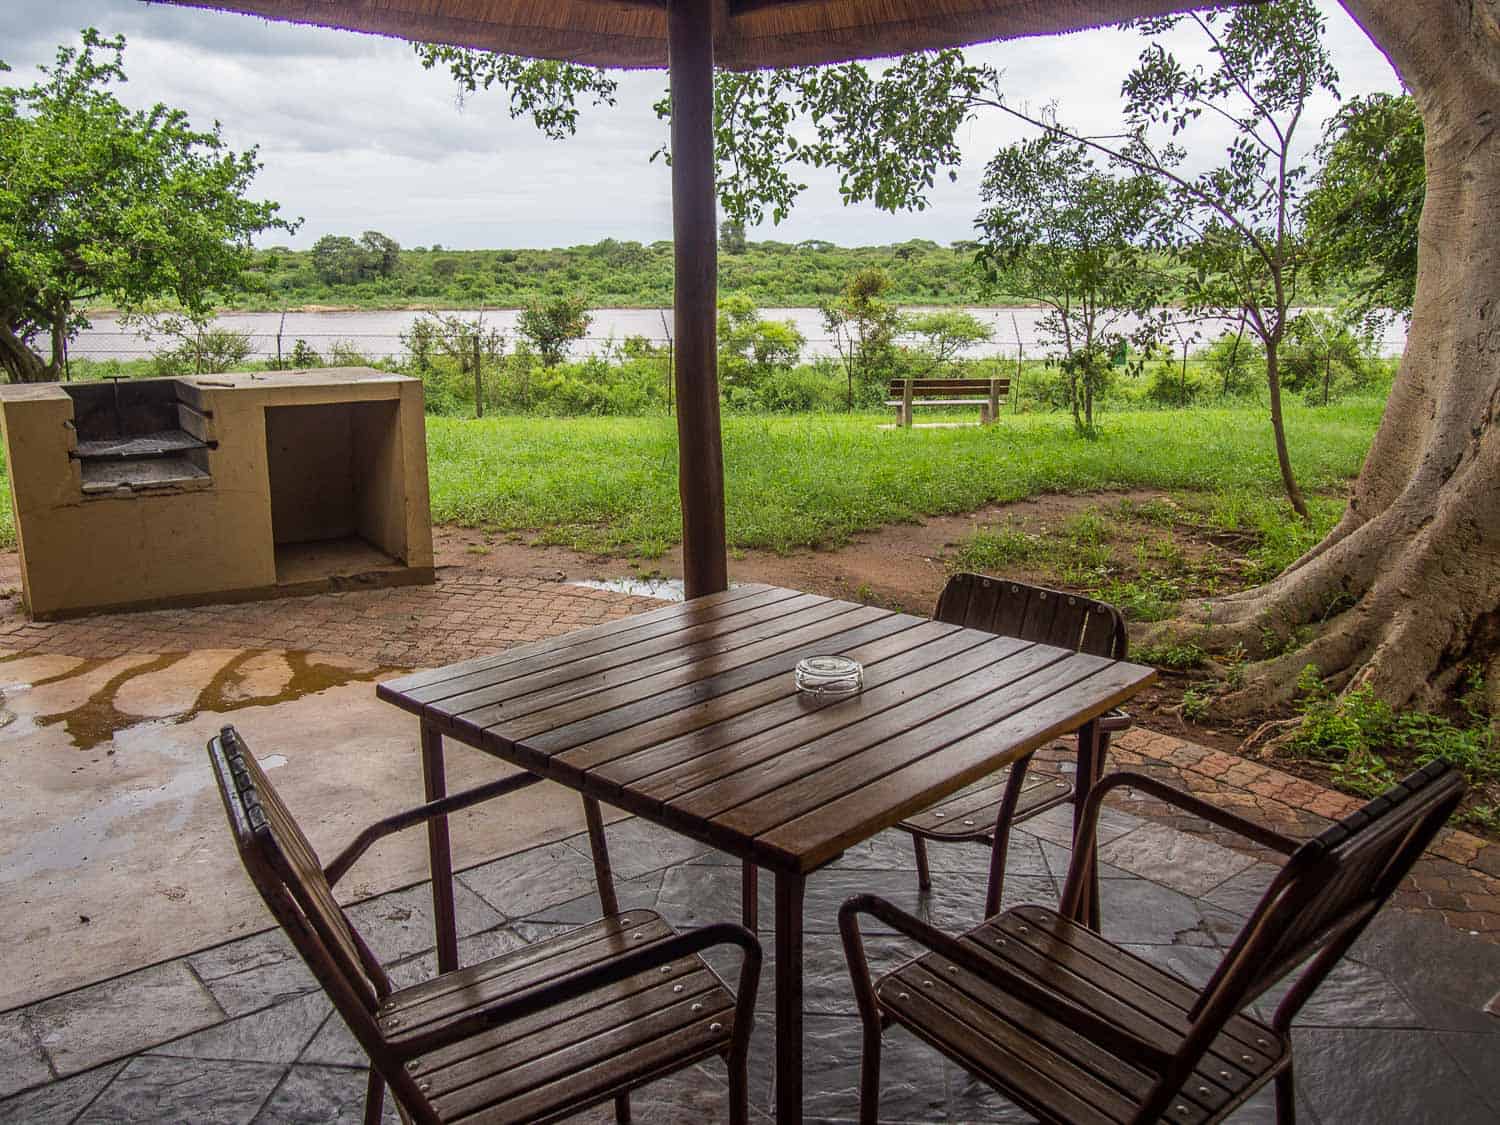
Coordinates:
<point>337,499</point>
<point>138,435</point>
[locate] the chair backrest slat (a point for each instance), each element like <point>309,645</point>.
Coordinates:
<point>1033,613</point>
<point>286,870</point>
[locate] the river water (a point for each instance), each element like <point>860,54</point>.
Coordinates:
<point>378,334</point>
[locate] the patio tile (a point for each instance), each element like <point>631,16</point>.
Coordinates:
<point>334,1045</point>
<point>1352,995</point>
<point>696,894</point>
<point>1242,893</point>
<point>82,1029</point>
<point>632,894</point>
<point>522,884</point>
<point>1141,912</point>
<point>322,1095</point>
<point>254,972</point>
<point>1164,855</point>
<point>22,1064</point>
<point>1058,857</point>
<point>956,903</point>
<point>274,1035</point>
<point>912,1082</point>
<point>637,846</point>
<point>60,1102</point>
<point>892,851</point>
<point>1056,825</point>
<point>1376,1075</point>
<point>399,924</point>
<point>159,1090</point>
<point>1475,1055</point>
<point>1446,976</point>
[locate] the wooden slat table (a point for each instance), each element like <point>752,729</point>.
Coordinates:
<point>688,716</point>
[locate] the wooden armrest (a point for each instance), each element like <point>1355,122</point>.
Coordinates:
<point>579,984</point>
<point>1110,1035</point>
<point>420,815</point>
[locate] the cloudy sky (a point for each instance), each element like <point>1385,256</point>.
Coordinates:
<point>355,135</point>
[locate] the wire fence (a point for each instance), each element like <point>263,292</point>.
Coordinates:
<point>395,349</point>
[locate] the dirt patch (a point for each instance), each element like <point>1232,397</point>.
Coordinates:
<point>902,566</point>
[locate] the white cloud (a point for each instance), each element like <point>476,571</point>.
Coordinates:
<point>355,135</point>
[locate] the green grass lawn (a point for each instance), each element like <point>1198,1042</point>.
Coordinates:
<point>610,484</point>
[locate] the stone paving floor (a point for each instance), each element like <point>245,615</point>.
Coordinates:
<point>241,1032</point>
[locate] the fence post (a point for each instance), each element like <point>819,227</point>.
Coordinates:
<point>478,380</point>
<point>280,326</point>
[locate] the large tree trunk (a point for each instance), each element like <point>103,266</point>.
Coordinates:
<point>19,362</point>
<point>1405,591</point>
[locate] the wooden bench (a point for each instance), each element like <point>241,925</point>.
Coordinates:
<point>904,394</point>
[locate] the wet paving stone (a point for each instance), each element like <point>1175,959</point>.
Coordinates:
<point>632,894</point>
<point>322,1095</point>
<point>1380,1075</point>
<point>399,924</point>
<point>254,972</point>
<point>1174,859</point>
<point>522,884</point>
<point>22,1064</point>
<point>1139,912</point>
<point>637,846</point>
<point>1447,977</point>
<point>273,1035</point>
<point>165,1091</point>
<point>107,1021</point>
<point>1242,893</point>
<point>61,1102</point>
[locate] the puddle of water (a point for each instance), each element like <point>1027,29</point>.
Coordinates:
<point>99,718</point>
<point>667,589</point>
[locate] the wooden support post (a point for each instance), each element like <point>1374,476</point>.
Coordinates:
<point>700,457</point>
<point>994,401</point>
<point>906,403</point>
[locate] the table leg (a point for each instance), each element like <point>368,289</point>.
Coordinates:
<point>1090,768</point>
<point>750,896</point>
<point>604,876</point>
<point>439,852</point>
<point>789,891</point>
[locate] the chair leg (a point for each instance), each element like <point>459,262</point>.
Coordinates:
<point>1000,846</point>
<point>622,1109</point>
<point>374,1098</point>
<point>750,896</point>
<point>1286,1097</point>
<point>739,1089</point>
<point>869,1076</point>
<point>924,874</point>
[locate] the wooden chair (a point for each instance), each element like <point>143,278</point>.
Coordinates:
<point>532,1035</point>
<point>985,812</point>
<point>1075,1030</point>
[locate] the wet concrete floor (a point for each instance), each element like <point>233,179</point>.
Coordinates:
<point>114,853</point>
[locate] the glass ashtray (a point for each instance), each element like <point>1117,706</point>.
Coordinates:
<point>829,675</point>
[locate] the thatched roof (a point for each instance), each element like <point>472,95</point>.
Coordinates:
<point>751,33</point>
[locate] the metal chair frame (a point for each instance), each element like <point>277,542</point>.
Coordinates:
<point>1315,908</point>
<point>299,894</point>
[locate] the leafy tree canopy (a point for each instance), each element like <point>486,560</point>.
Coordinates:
<point>1067,234</point>
<point>101,201</point>
<point>1364,210</point>
<point>553,324</point>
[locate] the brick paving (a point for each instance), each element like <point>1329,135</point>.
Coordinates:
<point>463,613</point>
